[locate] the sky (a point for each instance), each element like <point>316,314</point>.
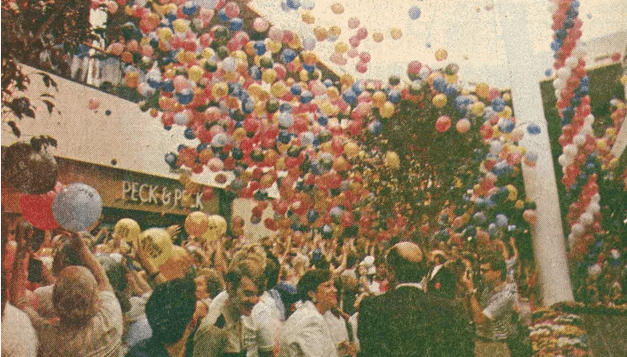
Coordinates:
<point>469,30</point>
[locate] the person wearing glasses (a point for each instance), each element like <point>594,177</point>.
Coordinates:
<point>493,308</point>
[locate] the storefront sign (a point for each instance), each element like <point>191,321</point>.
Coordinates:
<point>157,195</point>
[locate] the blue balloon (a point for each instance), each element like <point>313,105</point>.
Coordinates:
<point>77,207</point>
<point>327,82</point>
<point>450,90</point>
<point>394,96</point>
<point>189,134</point>
<point>284,137</point>
<point>306,97</point>
<point>248,105</point>
<point>375,127</point>
<point>323,120</point>
<point>533,129</point>
<point>170,159</point>
<point>309,67</point>
<point>296,89</point>
<point>236,24</point>
<point>168,86</point>
<point>548,72</point>
<point>185,96</point>
<point>222,15</point>
<point>439,84</point>
<point>414,12</point>
<point>357,88</point>
<point>498,104</point>
<point>285,107</point>
<point>349,96</point>
<point>506,126</point>
<point>254,71</point>
<point>259,47</point>
<point>288,55</point>
<point>293,4</point>
<point>189,8</point>
<point>201,147</point>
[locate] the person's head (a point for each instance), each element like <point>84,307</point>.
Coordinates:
<point>75,296</point>
<point>271,272</point>
<point>245,282</point>
<point>493,268</point>
<point>318,287</point>
<point>209,283</point>
<point>406,262</point>
<point>170,309</point>
<point>116,272</point>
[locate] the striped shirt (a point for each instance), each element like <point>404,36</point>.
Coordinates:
<point>499,308</point>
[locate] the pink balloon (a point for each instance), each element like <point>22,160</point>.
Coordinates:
<point>362,33</point>
<point>354,41</point>
<point>180,83</point>
<point>361,67</point>
<point>93,104</point>
<point>37,209</point>
<point>494,93</point>
<point>275,34</point>
<point>231,9</point>
<point>260,24</point>
<point>147,50</point>
<point>365,57</point>
<point>116,49</point>
<point>414,67</point>
<point>353,23</point>
<point>352,53</point>
<point>462,125</point>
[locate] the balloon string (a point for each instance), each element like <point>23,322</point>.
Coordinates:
<point>435,10</point>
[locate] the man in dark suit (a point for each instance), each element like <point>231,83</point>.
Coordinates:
<point>406,322</point>
<point>440,279</point>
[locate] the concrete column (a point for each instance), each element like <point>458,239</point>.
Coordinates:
<point>540,184</point>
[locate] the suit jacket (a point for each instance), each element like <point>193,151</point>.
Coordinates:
<point>442,284</point>
<point>406,322</point>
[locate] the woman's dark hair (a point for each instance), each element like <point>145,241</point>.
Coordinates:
<point>310,282</point>
<point>116,272</point>
<point>170,308</point>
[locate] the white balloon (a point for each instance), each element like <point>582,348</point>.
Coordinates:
<point>594,208</point>
<point>596,198</point>
<point>572,62</point>
<point>586,219</point>
<point>577,230</point>
<point>559,83</point>
<point>570,150</point>
<point>589,119</point>
<point>229,64</point>
<point>579,140</point>
<point>564,73</point>
<point>594,270</point>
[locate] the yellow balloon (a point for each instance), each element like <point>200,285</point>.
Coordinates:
<point>269,75</point>
<point>208,52</point>
<point>483,90</point>
<point>278,89</point>
<point>307,17</point>
<point>303,75</point>
<point>127,229</point>
<point>346,79</point>
<point>513,192</point>
<point>378,99</point>
<point>441,54</point>
<point>335,31</point>
<point>220,223</point>
<point>195,73</point>
<point>505,113</point>
<point>220,89</point>
<point>341,47</point>
<point>328,109</point>
<point>602,144</point>
<point>156,244</point>
<point>164,33</point>
<point>439,100</point>
<point>333,93</point>
<point>519,204</point>
<point>337,8</point>
<point>377,36</point>
<point>320,33</point>
<point>295,43</point>
<point>507,97</point>
<point>387,110</point>
<point>180,25</point>
<point>396,33</point>
<point>477,108</point>
<point>451,78</point>
<point>274,46</point>
<point>351,149</point>
<point>196,223</point>
<point>392,160</point>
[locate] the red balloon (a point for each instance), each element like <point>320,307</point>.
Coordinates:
<point>37,209</point>
<point>270,224</point>
<point>443,123</point>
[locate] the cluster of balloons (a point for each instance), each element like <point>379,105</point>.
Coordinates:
<point>205,227</point>
<point>45,203</point>
<point>255,99</point>
<point>579,160</point>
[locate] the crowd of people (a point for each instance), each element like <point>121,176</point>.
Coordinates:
<point>293,294</point>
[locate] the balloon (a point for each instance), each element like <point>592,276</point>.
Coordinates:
<point>127,229</point>
<point>156,243</point>
<point>28,169</point>
<point>337,8</point>
<point>377,37</point>
<point>441,55</point>
<point>462,125</point>
<point>439,100</point>
<point>196,223</point>
<point>414,12</point>
<point>443,123</point>
<point>77,207</point>
<point>396,33</point>
<point>392,160</point>
<point>353,23</point>
<point>218,223</point>
<point>37,209</point>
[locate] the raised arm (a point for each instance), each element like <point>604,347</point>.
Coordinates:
<point>89,261</point>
